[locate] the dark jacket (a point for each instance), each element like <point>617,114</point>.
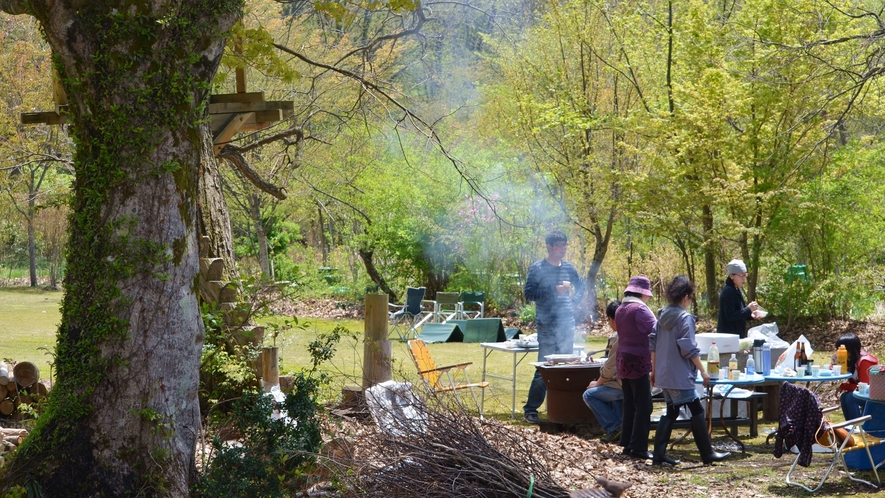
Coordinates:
<point>799,419</point>
<point>551,308</point>
<point>733,312</point>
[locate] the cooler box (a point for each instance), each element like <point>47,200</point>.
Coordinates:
<point>727,344</point>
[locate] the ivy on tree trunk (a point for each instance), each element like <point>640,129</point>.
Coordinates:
<point>124,416</point>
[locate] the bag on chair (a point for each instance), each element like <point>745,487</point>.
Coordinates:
<point>823,435</point>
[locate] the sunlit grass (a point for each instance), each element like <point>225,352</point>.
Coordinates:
<point>29,318</point>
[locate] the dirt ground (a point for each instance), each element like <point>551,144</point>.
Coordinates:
<point>576,461</point>
<point>581,458</point>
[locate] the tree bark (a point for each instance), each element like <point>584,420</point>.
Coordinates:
<point>710,258</point>
<point>123,418</point>
<point>32,239</point>
<point>261,234</point>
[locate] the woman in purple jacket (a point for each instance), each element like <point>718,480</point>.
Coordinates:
<point>635,321</point>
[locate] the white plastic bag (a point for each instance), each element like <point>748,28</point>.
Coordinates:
<point>791,351</point>
<point>767,332</point>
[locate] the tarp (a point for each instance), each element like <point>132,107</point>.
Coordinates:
<point>482,329</point>
<point>441,332</point>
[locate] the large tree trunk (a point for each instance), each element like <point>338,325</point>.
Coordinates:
<point>123,418</point>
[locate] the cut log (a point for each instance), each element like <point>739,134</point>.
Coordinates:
<point>8,431</point>
<point>16,440</point>
<point>211,268</point>
<point>7,406</point>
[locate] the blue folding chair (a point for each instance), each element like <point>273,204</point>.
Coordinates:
<point>407,318</point>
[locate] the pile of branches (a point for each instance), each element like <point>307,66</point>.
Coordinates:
<point>447,453</point>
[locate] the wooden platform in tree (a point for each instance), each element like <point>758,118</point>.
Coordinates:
<point>230,114</point>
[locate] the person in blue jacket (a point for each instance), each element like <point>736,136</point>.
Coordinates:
<point>676,361</point>
<point>556,288</point>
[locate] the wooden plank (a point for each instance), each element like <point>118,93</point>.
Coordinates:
<point>241,80</point>
<point>250,124</point>
<point>287,106</point>
<point>228,98</point>
<point>229,130</point>
<point>237,107</point>
<point>269,116</point>
<point>48,117</point>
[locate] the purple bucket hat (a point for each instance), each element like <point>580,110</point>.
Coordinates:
<point>639,285</point>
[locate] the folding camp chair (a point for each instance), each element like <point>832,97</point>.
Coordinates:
<point>443,379</point>
<point>407,318</point>
<point>799,412</point>
<point>473,304</point>
<point>447,307</point>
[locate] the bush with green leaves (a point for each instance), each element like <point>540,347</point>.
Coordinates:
<point>273,455</point>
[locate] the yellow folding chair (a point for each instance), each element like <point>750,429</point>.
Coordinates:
<point>444,379</point>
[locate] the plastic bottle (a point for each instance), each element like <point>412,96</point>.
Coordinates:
<point>766,359</point>
<point>713,362</point>
<point>733,367</point>
<point>751,365</point>
<point>842,358</point>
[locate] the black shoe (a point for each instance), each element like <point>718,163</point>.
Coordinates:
<point>532,418</point>
<point>611,437</point>
<point>639,455</point>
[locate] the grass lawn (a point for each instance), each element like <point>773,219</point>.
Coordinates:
<point>29,318</point>
<point>346,367</point>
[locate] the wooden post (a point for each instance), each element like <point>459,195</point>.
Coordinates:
<point>376,346</point>
<point>270,367</point>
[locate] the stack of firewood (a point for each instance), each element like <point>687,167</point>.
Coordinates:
<point>9,440</point>
<point>22,391</point>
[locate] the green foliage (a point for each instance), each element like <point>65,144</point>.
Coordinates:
<point>278,443</point>
<point>527,313</point>
<point>226,367</point>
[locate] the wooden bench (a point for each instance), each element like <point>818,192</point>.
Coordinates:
<point>751,420</point>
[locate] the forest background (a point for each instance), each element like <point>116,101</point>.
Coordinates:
<point>663,137</point>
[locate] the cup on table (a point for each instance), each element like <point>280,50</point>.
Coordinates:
<point>863,388</point>
<point>837,369</point>
<point>815,370</point>
<point>800,371</point>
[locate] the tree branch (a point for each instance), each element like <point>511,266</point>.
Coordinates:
<point>233,155</point>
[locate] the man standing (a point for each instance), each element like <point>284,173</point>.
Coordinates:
<point>556,288</point>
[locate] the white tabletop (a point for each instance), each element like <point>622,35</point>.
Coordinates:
<point>754,379</point>
<point>808,378</point>
<point>506,346</point>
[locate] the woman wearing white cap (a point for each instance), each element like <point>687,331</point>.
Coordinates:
<point>733,313</point>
